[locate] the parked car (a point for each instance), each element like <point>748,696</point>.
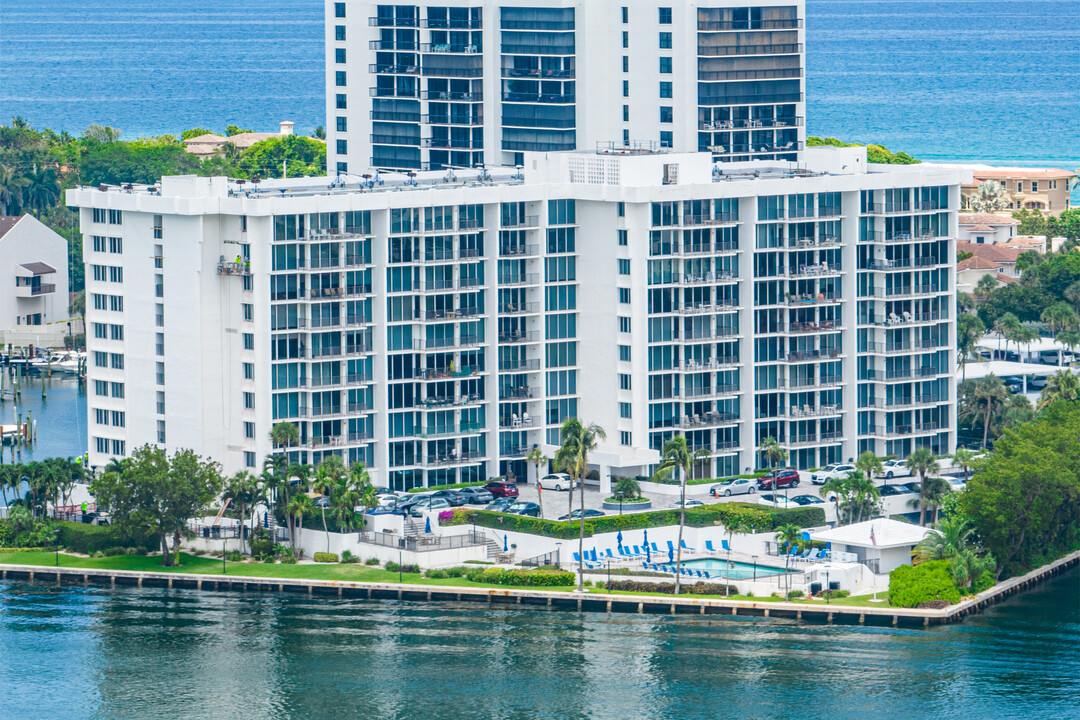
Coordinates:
<point>776,501</point>
<point>890,490</point>
<point>830,472</point>
<point>322,502</point>
<point>689,504</point>
<point>385,491</point>
<point>502,488</point>
<point>530,509</point>
<point>1013,383</point>
<point>1037,382</point>
<point>913,487</point>
<point>385,510</point>
<point>413,498</point>
<point>734,486</point>
<point>805,500</point>
<point>557,481</point>
<point>428,505</point>
<point>894,468</point>
<point>477,495</point>
<point>455,497</point>
<point>576,514</point>
<point>499,504</point>
<point>779,478</point>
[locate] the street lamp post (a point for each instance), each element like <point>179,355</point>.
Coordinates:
<point>57,534</point>
<point>827,588</point>
<point>222,554</point>
<point>755,567</point>
<point>558,555</point>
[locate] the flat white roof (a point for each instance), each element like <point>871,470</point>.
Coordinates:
<point>887,534</point>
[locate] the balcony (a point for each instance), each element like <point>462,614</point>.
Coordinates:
<point>517,338</point>
<point>442,402</point>
<point>454,96</point>
<point>459,314</point>
<point>795,413</point>
<point>716,363</point>
<point>519,365</point>
<point>359,349</point>
<point>445,343</point>
<point>721,25</point>
<point>708,419</point>
<point>538,73</point>
<point>452,458</point>
<point>904,318</point>
<point>540,98</point>
<point>822,298</point>
<point>521,392</point>
<point>903,403</point>
<point>394,69</point>
<point>404,22</point>
<point>715,125</point>
<point>802,328</point>
<point>721,305</point>
<point>708,393</point>
<point>726,50</point>
<point>518,250</point>
<point>809,243</point>
<point>441,431</point>
<point>451,48</point>
<point>823,269</point>
<point>814,355</point>
<point>904,264</point>
<point>522,279</point>
<point>528,308</point>
<point>458,120</point>
<point>709,220</point>
<point>446,374</point>
<point>798,383</point>
<point>322,441</point>
<point>517,223</point>
<point>513,422</point>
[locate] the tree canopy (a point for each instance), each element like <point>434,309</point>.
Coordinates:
<point>878,154</point>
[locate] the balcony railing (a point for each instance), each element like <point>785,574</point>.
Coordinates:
<point>513,338</point>
<point>724,50</point>
<point>814,355</point>
<point>523,279</point>
<point>723,361</point>
<point>510,366</point>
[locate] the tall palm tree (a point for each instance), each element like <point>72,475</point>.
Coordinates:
<point>787,535</point>
<point>240,489</point>
<point>922,462</point>
<point>839,489</point>
<point>964,302</point>
<point>864,495</point>
<point>772,451</point>
<point>42,189</point>
<point>536,457</point>
<point>12,186</point>
<point>989,391</point>
<point>1059,316</point>
<point>869,464</point>
<point>1063,384</point>
<point>965,460</point>
<point>739,525</point>
<point>344,497</point>
<point>1071,340</point>
<point>360,482</point>
<point>676,455</point>
<point>969,330</point>
<point>299,506</point>
<point>284,435</point>
<point>986,287</point>
<point>1072,294</point>
<point>950,536</point>
<point>327,474</point>
<point>578,440</point>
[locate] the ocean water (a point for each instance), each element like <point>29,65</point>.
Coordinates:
<point>60,417</point>
<point>73,653</point>
<point>972,80</point>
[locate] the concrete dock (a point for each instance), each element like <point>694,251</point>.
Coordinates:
<point>563,600</point>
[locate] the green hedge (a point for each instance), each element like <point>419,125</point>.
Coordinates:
<point>89,539</point>
<point>321,557</point>
<point>521,578</point>
<point>766,519</point>
<point>911,585</point>
<point>698,588</point>
<point>453,486</point>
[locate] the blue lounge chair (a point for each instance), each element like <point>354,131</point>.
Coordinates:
<point>586,563</point>
<point>806,553</point>
<point>671,546</point>
<point>608,556</point>
<point>686,547</point>
<point>707,575</point>
<point>794,550</point>
<point>625,553</point>
<point>709,546</point>
<point>724,544</point>
<point>654,548</point>
<point>699,573</point>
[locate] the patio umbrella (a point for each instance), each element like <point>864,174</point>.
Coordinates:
<point>594,555</point>
<point>670,554</point>
<point>505,547</point>
<point>618,539</point>
<point>427,525</point>
<point>648,555</point>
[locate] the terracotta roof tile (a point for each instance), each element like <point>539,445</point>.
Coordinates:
<point>987,219</point>
<point>993,253</point>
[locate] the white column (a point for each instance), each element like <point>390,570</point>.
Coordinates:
<point>605,480</point>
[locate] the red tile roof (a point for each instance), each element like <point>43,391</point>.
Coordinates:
<point>977,263</point>
<point>987,219</point>
<point>993,253</point>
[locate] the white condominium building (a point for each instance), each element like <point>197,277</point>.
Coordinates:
<point>437,326</point>
<point>430,85</point>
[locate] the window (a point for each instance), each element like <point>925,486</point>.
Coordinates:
<point>116,245</point>
<point>342,147</point>
<point>249,371</point>
<point>624,324</point>
<point>249,312</point>
<point>623,238</point>
<point>99,272</point>
<point>101,445</point>
<point>100,301</point>
<point>339,78</point>
<point>341,103</point>
<point>118,418</point>
<point>99,215</point>
<point>342,124</point>
<point>249,341</point>
<point>249,401</point>
<point>161,431</point>
<point>342,167</point>
<point>665,15</point>
<point>116,217</point>
<point>624,296</point>
<point>620,209</point>
<point>625,14</point>
<point>666,139</point>
<point>116,303</point>
<point>159,343</point>
<point>116,361</point>
<point>665,89</point>
<point>99,242</point>
<point>249,459</point>
<point>624,265</point>
<point>116,274</point>
<point>101,331</point>
<point>116,389</point>
<point>665,40</point>
<point>160,373</point>
<point>339,9</point>
<point>101,387</point>
<point>626,138</point>
<point>157,235</point>
<point>249,430</point>
<point>158,252</point>
<point>625,63</point>
<point>624,381</point>
<point>1034,186</point>
<point>626,88</point>
<point>339,32</point>
<point>160,402</point>
<point>626,113</point>
<point>101,417</point>
<point>624,353</point>
<point>117,447</point>
<point>666,114</point>
<point>116,332</point>
<point>665,65</point>
<point>624,437</point>
<point>625,39</point>
<point>101,359</point>
<point>339,55</point>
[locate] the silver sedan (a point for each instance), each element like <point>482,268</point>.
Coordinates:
<point>735,486</point>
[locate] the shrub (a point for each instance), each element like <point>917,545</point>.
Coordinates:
<point>626,501</point>
<point>457,516</point>
<point>321,557</point>
<point>796,594</point>
<point>403,568</point>
<point>372,561</point>
<point>287,560</point>
<point>87,539</point>
<point>479,562</point>
<point>521,578</point>
<point>453,486</point>
<point>113,551</point>
<point>984,581</point>
<point>698,588</point>
<point>910,585</point>
<point>348,557</point>
<point>436,574</point>
<point>234,556</point>
<point>832,594</point>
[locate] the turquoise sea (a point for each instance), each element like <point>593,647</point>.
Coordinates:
<point>972,80</point>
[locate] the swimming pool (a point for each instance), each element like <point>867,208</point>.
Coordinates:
<point>733,570</point>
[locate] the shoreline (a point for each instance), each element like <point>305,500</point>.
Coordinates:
<point>554,599</point>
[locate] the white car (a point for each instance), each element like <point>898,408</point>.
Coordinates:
<point>689,504</point>
<point>830,472</point>
<point>894,468</point>
<point>557,481</point>
<point>735,486</point>
<point>778,501</point>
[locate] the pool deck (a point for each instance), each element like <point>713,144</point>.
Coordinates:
<point>582,602</point>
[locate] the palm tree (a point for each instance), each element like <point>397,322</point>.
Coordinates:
<point>950,536</point>
<point>42,190</point>
<point>965,460</point>
<point>344,497</point>
<point>284,434</point>
<point>361,483</point>
<point>932,493</point>
<point>1005,326</point>
<point>240,489</point>
<point>319,133</point>
<point>964,302</point>
<point>536,456</point>
<point>1070,339</point>
<point>864,495</point>
<point>869,464</point>
<point>1059,316</point>
<point>838,487</point>
<point>298,507</point>
<point>922,462</point>
<point>12,186</point>
<point>787,535</point>
<point>967,565</point>
<point>674,456</point>
<point>988,391</point>
<point>772,451</point>
<point>1063,384</point>
<point>986,287</point>
<point>329,471</point>
<point>627,488</point>
<point>739,525</point>
<point>578,440</point>
<point>969,330</point>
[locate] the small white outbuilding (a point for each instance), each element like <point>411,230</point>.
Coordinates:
<point>881,544</point>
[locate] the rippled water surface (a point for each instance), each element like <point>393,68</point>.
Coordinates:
<point>94,653</point>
